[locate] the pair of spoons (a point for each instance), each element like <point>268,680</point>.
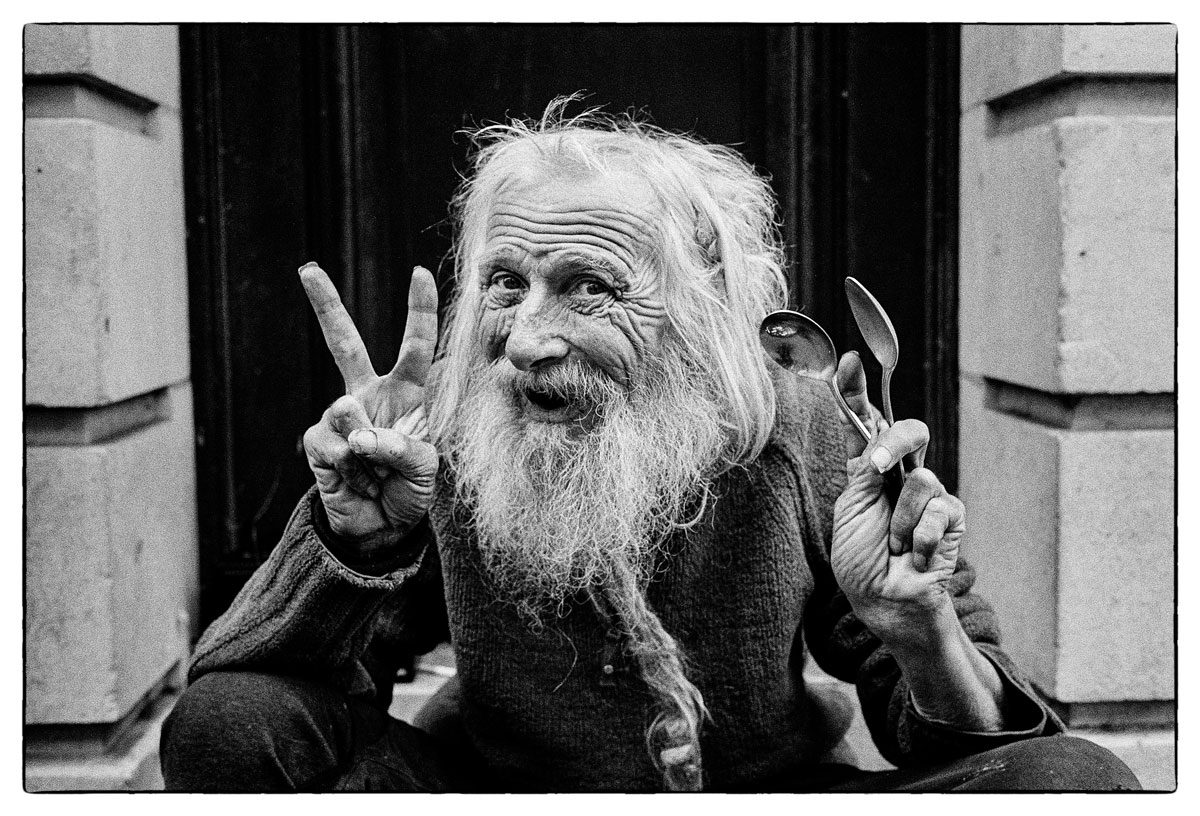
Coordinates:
<point>800,345</point>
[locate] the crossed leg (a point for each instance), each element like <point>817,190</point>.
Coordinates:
<point>251,731</point>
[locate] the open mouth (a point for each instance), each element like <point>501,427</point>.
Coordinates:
<point>546,400</point>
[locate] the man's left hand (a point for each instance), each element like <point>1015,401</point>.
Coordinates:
<point>893,594</point>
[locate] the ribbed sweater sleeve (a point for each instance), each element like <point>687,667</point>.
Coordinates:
<point>844,647</point>
<point>304,612</point>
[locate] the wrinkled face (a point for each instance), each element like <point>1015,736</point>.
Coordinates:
<point>564,278</point>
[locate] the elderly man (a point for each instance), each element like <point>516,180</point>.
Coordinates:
<point>627,520</point>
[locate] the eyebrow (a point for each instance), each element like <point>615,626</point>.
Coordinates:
<point>583,261</point>
<point>576,261</point>
<point>496,257</point>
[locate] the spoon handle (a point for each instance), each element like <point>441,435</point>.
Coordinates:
<point>886,391</point>
<point>848,412</point>
<point>893,480</point>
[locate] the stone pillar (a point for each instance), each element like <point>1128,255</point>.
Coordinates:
<point>110,545</point>
<point>1067,315</point>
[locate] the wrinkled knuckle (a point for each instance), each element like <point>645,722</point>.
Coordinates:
<point>859,465</point>
<point>403,447</point>
<point>344,406</point>
<point>420,344</point>
<point>345,460</point>
<point>345,347</point>
<point>428,457</point>
<point>915,428</point>
<point>926,478</point>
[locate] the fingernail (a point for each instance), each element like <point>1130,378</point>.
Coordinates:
<point>373,490</point>
<point>919,562</point>
<point>309,265</point>
<point>881,458</point>
<point>363,441</point>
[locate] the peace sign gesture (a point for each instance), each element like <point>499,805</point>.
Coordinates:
<point>370,452</point>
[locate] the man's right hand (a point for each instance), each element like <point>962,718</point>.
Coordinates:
<point>370,453</point>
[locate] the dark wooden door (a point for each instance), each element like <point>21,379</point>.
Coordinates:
<point>341,144</point>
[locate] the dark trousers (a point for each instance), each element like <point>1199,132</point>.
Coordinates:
<point>245,731</point>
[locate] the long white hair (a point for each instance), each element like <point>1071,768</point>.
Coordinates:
<point>718,259</point>
<point>719,255</point>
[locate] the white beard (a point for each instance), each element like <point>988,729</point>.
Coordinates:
<point>558,508</point>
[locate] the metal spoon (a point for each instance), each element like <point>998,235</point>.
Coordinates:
<point>800,345</point>
<point>880,335</point>
<point>881,339</point>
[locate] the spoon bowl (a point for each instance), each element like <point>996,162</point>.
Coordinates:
<point>880,335</point>
<point>800,345</point>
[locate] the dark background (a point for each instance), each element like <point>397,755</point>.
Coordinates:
<point>339,144</point>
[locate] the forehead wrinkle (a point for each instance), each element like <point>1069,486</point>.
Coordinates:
<point>616,243</point>
<point>585,213</point>
<point>509,246</point>
<point>618,217</point>
<point>630,234</point>
<point>532,237</point>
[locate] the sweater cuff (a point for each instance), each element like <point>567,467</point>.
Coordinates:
<point>1025,716</point>
<point>302,610</point>
<point>402,555</point>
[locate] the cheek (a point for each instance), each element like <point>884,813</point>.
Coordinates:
<point>620,342</point>
<point>642,324</point>
<point>493,328</point>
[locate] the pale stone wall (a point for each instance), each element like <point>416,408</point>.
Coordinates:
<point>1067,300</point>
<point>111,552</point>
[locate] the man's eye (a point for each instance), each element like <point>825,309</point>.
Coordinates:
<point>507,280</point>
<point>593,287</point>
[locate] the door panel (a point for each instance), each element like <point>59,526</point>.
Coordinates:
<point>339,144</point>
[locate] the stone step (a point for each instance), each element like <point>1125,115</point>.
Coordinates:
<point>129,765</point>
<point>1149,753</point>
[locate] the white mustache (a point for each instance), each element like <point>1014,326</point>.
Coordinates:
<point>573,381</point>
<point>556,511</point>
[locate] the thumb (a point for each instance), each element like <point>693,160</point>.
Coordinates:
<point>852,382</point>
<point>412,458</point>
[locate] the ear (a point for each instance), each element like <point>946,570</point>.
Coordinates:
<point>707,236</point>
<point>706,240</point>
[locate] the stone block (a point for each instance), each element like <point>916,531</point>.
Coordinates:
<point>143,59</point>
<point>998,59</point>
<point>1116,561</point>
<point>111,561</point>
<point>131,766</point>
<point>1067,256</point>
<point>1009,233</point>
<point>1119,50</point>
<point>106,280</point>
<point>1002,59</point>
<point>1150,754</point>
<point>1009,488</point>
<point>1072,534</point>
<point>1117,298</point>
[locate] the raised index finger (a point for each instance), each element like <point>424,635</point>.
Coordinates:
<point>340,334</point>
<point>907,438</point>
<point>852,382</point>
<point>420,329</point>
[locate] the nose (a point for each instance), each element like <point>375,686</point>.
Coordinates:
<point>533,343</point>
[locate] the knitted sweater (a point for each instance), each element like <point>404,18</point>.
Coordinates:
<point>738,592</point>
